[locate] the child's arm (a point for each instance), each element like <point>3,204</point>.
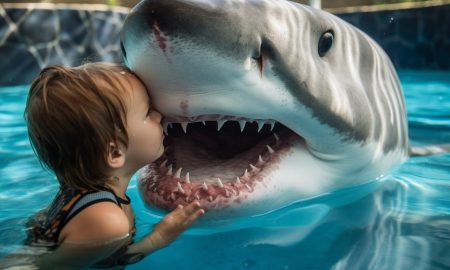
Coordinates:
<point>170,227</point>
<point>100,230</point>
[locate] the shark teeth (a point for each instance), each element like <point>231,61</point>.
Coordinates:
<point>163,164</point>
<point>276,137</point>
<point>180,188</point>
<point>168,183</point>
<point>254,168</point>
<point>220,123</point>
<point>169,168</point>
<point>169,171</point>
<point>178,173</point>
<point>242,124</point>
<point>219,182</point>
<point>272,125</point>
<point>260,161</point>
<point>245,175</point>
<point>184,126</point>
<point>260,124</point>
<point>166,180</point>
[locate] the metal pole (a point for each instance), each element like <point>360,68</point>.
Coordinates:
<point>316,3</point>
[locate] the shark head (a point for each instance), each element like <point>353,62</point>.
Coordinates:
<point>265,102</point>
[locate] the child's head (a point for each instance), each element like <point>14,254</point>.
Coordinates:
<point>80,119</point>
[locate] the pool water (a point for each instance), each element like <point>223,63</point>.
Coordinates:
<point>399,222</point>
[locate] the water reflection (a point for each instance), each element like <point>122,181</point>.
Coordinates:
<point>390,227</point>
<point>400,222</point>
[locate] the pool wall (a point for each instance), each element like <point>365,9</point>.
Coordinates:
<point>35,35</point>
<point>414,38</point>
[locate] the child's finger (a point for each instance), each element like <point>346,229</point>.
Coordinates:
<point>191,218</point>
<point>192,208</point>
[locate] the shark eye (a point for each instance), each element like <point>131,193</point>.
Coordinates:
<point>325,42</point>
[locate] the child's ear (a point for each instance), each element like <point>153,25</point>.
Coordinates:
<point>116,157</point>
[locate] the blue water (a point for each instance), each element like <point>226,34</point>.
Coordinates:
<point>399,222</point>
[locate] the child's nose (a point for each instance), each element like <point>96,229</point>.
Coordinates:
<point>158,116</point>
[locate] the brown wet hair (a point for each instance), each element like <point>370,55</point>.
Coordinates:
<point>72,115</point>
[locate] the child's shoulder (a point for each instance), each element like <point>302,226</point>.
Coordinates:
<point>78,214</point>
<point>99,222</point>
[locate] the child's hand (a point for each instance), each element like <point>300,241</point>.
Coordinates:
<point>174,223</point>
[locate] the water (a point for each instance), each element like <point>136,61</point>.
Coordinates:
<point>399,222</point>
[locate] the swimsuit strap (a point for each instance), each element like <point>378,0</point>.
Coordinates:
<point>90,199</point>
<point>120,200</point>
<point>123,201</point>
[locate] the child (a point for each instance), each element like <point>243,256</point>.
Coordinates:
<point>94,127</point>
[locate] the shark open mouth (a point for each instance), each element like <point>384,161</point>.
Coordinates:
<point>218,160</point>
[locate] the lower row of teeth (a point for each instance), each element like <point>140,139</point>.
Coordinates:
<point>191,191</point>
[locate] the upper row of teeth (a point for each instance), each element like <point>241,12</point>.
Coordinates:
<point>220,123</point>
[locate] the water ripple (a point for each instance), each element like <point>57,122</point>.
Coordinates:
<point>399,222</point>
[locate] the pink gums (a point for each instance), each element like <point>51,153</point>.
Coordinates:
<point>162,190</point>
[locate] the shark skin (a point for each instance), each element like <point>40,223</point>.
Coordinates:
<point>265,102</point>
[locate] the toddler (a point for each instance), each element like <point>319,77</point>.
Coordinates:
<point>94,127</point>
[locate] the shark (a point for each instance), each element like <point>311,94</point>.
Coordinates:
<point>265,102</point>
